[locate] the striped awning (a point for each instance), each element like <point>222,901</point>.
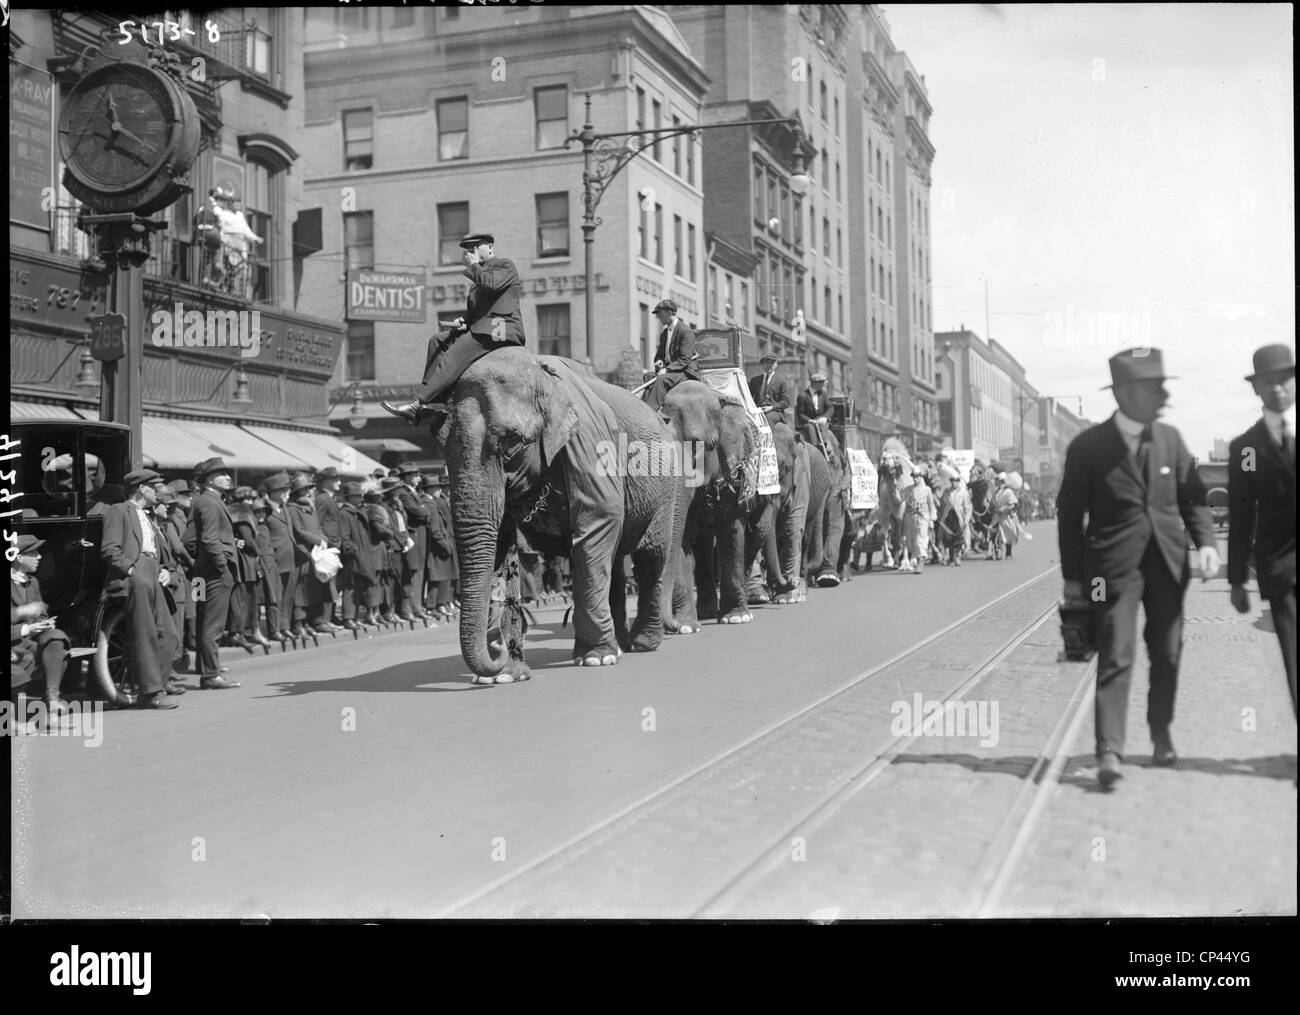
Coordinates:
<point>183,443</point>
<point>317,450</point>
<point>37,410</point>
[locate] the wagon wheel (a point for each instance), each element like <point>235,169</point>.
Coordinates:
<point>113,681</point>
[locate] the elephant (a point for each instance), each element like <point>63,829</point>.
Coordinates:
<point>533,444</point>
<point>827,500</point>
<point>775,525</point>
<point>719,506</point>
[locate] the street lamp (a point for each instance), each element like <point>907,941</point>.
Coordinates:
<point>604,158</point>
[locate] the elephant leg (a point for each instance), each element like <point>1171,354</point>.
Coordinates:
<point>648,567</point>
<point>812,539</point>
<point>596,518</point>
<point>618,602</point>
<point>733,608</point>
<point>706,587</point>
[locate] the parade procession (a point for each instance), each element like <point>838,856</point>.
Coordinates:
<point>718,570</point>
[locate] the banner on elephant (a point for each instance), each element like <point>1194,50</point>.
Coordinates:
<point>863,492</point>
<point>730,384</point>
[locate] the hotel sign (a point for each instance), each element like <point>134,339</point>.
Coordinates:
<point>386,296</point>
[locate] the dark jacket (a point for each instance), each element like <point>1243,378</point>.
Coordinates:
<point>449,539</point>
<point>305,527</point>
<point>214,535</point>
<point>24,653</point>
<point>268,565</point>
<point>244,523</point>
<point>327,514</point>
<point>811,405</point>
<point>358,556</point>
<point>280,530</point>
<point>417,524</point>
<point>1126,510</point>
<point>1261,512</point>
<point>382,541</point>
<point>776,397</point>
<point>678,356</point>
<point>492,310</point>
<point>121,545</point>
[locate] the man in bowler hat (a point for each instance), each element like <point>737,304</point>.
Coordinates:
<point>491,320</point>
<point>1261,500</point>
<point>674,357</point>
<point>1133,478</point>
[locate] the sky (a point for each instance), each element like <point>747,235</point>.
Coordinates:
<point>1121,176</point>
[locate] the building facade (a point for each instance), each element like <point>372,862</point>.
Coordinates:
<point>424,124</point>
<point>1058,426</point>
<point>982,393</point>
<point>261,410</point>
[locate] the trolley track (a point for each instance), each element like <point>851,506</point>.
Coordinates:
<point>646,858</point>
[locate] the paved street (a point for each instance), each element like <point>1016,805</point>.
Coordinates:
<point>370,778</point>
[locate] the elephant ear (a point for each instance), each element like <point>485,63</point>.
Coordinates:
<point>558,413</point>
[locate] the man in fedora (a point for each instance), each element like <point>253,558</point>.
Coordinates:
<point>417,522</point>
<point>328,517</point>
<point>771,394</point>
<point>131,548</point>
<point>214,563</point>
<point>280,532</point>
<point>491,320</point>
<point>674,356</point>
<point>311,592</point>
<point>1261,500</point>
<point>1133,478</point>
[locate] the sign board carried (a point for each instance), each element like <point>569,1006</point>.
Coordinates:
<point>961,460</point>
<point>864,491</point>
<point>730,383</point>
<point>386,296</point>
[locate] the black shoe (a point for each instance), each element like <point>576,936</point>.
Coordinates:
<point>158,700</point>
<point>175,687</point>
<point>324,629</point>
<point>410,411</point>
<point>1164,755</point>
<point>217,683</point>
<point>1108,770</point>
<point>258,638</point>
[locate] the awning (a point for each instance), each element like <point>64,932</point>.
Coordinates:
<point>318,450</point>
<point>182,444</point>
<point>378,445</point>
<point>36,410</point>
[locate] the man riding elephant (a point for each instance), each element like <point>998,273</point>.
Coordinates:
<point>771,393</point>
<point>492,321</point>
<point>675,357</point>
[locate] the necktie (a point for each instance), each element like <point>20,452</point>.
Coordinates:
<point>1144,446</point>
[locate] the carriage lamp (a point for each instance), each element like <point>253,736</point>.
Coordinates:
<point>86,376</point>
<point>357,413</point>
<point>241,395</point>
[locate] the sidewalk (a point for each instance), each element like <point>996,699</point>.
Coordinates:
<point>1215,836</point>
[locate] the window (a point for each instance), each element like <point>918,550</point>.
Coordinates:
<point>839,247</point>
<point>677,244</point>
<point>785,213</point>
<point>826,303</point>
<point>658,111</point>
<point>357,18</point>
<point>358,139</point>
<point>361,351</point>
<point>677,149</point>
<point>788,297</point>
<point>758,194</point>
<point>690,251</point>
<point>826,170</point>
<point>359,239</point>
<point>659,235</point>
<point>553,329</point>
<point>744,304</point>
<point>773,207</point>
<point>645,335</point>
<point>713,291</point>
<point>798,221</point>
<point>826,238</point>
<point>403,17</point>
<point>453,223</point>
<point>839,311</point>
<point>838,182</point>
<point>552,116</point>
<point>553,225</point>
<point>823,95</point>
<point>257,50</point>
<point>453,129</point>
<point>836,124</point>
<point>690,159</point>
<point>259,208</point>
<point>642,229</point>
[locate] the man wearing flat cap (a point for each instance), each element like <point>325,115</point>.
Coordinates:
<point>1261,501</point>
<point>214,562</point>
<point>771,393</point>
<point>131,548</point>
<point>1134,479</point>
<point>491,320</point>
<point>674,357</point>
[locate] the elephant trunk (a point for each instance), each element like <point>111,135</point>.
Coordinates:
<point>476,510</point>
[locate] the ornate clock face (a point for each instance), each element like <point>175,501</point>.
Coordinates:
<point>118,128</point>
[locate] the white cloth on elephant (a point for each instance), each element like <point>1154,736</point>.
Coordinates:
<point>595,510</point>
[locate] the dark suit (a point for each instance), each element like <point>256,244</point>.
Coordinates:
<point>417,522</point>
<point>43,652</point>
<point>358,572</point>
<point>811,405</point>
<point>677,353</point>
<point>331,527</point>
<point>1136,543</point>
<point>132,575</point>
<point>310,591</point>
<point>214,561</point>
<point>492,319</point>
<point>771,395</point>
<point>1261,518</point>
<point>279,529</point>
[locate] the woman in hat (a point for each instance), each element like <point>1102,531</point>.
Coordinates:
<point>37,649</point>
<point>241,626</point>
<point>918,518</point>
<point>1006,510</point>
<point>306,536</point>
<point>266,593</point>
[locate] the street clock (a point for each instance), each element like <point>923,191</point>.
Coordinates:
<point>128,135</point>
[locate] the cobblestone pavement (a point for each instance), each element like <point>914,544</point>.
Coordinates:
<point>1215,836</point>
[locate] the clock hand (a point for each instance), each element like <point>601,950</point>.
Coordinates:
<point>113,139</point>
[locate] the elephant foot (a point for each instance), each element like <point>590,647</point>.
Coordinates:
<point>688,626</point>
<point>599,656</point>
<point>515,671</point>
<point>706,612</point>
<point>828,580</point>
<point>758,598</point>
<point>647,640</point>
<point>736,616</point>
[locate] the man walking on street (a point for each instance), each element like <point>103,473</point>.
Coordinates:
<point>1133,478</point>
<point>1261,501</point>
<point>492,320</point>
<point>214,560</point>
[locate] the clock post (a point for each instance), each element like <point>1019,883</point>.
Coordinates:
<point>124,247</point>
